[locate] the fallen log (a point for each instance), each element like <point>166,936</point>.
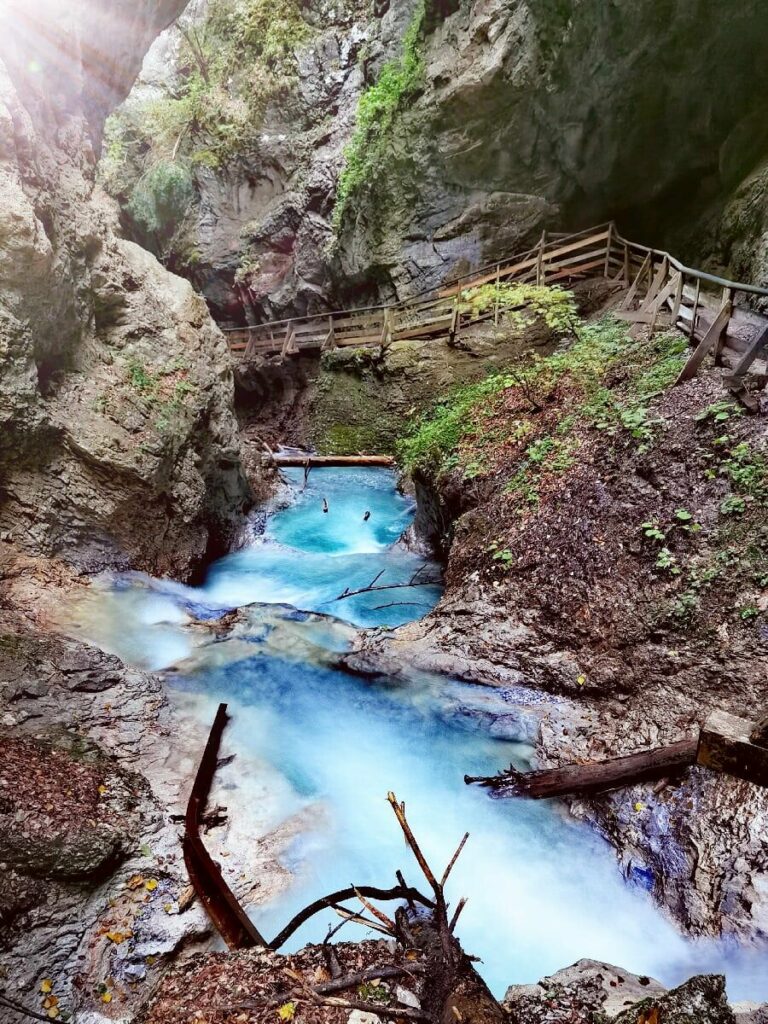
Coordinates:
<point>302,461</point>
<point>594,776</point>
<point>220,903</point>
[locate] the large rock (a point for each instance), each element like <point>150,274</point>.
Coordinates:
<point>594,993</point>
<point>118,438</point>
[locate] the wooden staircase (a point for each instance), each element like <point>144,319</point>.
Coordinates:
<point>660,292</point>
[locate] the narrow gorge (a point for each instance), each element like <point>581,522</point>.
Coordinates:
<point>517,253</point>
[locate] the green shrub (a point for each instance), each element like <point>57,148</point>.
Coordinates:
<point>161,198</point>
<point>523,303</point>
<point>377,111</point>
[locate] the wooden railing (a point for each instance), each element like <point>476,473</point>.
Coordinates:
<point>660,291</point>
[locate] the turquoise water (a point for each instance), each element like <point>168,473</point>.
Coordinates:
<point>543,892</point>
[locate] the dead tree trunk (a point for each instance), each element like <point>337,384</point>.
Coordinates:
<point>594,776</point>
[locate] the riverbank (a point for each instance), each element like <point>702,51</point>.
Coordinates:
<point>605,543</point>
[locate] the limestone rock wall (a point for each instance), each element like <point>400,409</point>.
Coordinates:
<point>528,115</point>
<point>117,438</point>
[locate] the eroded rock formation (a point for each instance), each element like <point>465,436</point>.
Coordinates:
<point>118,440</point>
<point>519,116</point>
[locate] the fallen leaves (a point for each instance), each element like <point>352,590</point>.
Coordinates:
<point>118,937</point>
<point>46,985</point>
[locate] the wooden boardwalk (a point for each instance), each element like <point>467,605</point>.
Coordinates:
<point>659,291</point>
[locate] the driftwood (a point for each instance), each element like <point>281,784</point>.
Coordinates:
<point>232,922</point>
<point>594,776</point>
<point>453,991</point>
<point>375,586</point>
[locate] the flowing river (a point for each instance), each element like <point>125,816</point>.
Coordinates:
<point>319,744</point>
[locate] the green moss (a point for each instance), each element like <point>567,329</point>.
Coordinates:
<point>344,439</point>
<point>438,433</point>
<point>377,113</point>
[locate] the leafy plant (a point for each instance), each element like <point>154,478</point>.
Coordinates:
<point>719,412</point>
<point>652,531</point>
<point>141,379</point>
<point>666,560</point>
<point>377,111</point>
<point>505,556</point>
<point>523,303</point>
<point>733,505</point>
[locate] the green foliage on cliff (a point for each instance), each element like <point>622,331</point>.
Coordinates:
<point>160,198</point>
<point>229,67</point>
<point>523,303</point>
<point>377,112</point>
<point>604,381</point>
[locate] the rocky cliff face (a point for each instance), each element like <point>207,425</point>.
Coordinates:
<point>118,442</point>
<point>371,176</point>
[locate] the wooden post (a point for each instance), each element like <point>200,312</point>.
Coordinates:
<point>626,264</point>
<point>695,311</point>
<point>287,340</point>
<point>728,295</point>
<point>496,304</point>
<point>386,331</point>
<point>678,299</point>
<point>540,259</point>
<point>608,243</point>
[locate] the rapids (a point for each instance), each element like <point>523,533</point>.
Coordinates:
<point>543,891</point>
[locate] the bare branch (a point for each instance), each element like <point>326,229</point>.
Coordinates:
<point>459,907</point>
<point>371,973</point>
<point>453,860</point>
<point>378,914</point>
<point>328,902</point>
<point>399,810</point>
<point>357,918</point>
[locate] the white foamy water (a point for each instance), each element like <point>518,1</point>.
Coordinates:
<point>543,891</point>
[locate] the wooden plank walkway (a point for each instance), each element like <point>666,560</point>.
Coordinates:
<point>660,292</point>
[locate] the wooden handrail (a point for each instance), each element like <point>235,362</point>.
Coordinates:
<point>656,282</point>
<point>701,275</point>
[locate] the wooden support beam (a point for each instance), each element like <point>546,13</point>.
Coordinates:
<point>540,259</point>
<point>751,354</point>
<point>632,293</point>
<point>666,292</point>
<point>726,745</point>
<point>608,244</point>
<point>596,776</point>
<point>728,296</point>
<point>656,285</point>
<point>707,342</point>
